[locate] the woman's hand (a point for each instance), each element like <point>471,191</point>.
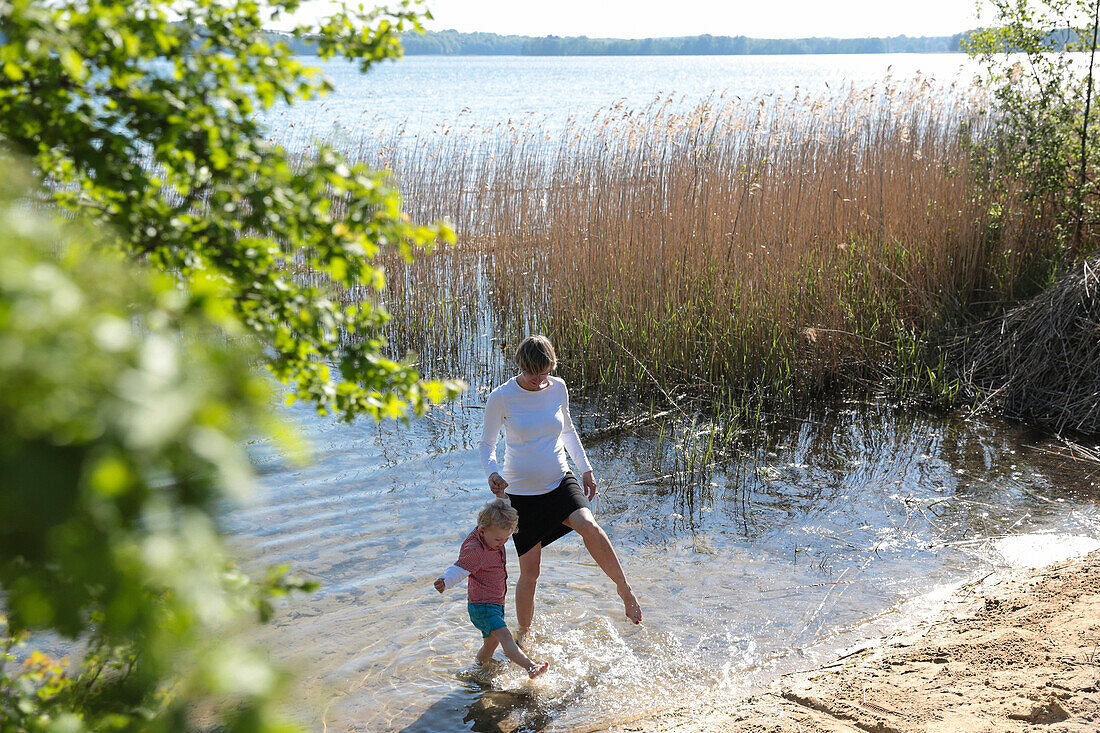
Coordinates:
<point>590,490</point>
<point>439,584</point>
<point>497,484</point>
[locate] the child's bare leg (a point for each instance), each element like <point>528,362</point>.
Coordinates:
<point>513,652</point>
<point>486,652</point>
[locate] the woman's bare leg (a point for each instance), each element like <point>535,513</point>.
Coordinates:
<point>599,547</point>
<point>530,563</point>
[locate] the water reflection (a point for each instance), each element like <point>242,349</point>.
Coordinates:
<point>782,551</point>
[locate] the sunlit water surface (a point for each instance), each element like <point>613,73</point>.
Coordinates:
<point>430,94</point>
<point>839,527</point>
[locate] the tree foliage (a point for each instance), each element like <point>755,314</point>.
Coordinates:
<point>143,117</point>
<point>129,339</point>
<point>124,412</point>
<point>1039,55</point>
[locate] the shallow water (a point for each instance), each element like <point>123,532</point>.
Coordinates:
<point>843,525</point>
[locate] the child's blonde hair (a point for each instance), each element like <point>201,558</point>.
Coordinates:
<point>498,513</point>
<point>535,354</point>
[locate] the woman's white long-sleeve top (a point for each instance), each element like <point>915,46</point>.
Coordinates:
<point>538,432</point>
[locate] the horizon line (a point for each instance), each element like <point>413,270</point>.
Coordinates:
<point>696,35</point>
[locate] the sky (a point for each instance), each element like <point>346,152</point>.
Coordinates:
<point>653,18</point>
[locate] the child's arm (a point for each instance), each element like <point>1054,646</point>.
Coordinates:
<point>467,558</point>
<point>451,575</point>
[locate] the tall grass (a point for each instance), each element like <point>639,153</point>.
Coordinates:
<point>771,247</point>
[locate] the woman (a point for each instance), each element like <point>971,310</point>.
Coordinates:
<point>533,409</point>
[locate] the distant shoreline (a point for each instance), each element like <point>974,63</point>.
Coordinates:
<point>454,43</point>
<point>451,42</point>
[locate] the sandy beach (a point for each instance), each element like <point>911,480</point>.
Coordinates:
<point>1016,651</point>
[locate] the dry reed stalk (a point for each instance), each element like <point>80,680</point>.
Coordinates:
<point>1040,361</point>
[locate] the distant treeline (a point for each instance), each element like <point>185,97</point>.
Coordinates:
<point>464,44</point>
<point>453,43</point>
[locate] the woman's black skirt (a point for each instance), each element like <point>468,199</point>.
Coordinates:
<point>541,515</point>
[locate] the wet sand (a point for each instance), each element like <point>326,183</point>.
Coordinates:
<point>1013,652</point>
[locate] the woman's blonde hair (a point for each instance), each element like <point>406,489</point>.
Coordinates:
<point>498,513</point>
<point>535,354</point>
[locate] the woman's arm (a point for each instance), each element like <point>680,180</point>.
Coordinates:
<point>572,443</point>
<point>487,448</point>
<point>490,434</point>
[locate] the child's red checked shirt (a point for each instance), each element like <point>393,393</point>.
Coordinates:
<point>486,565</point>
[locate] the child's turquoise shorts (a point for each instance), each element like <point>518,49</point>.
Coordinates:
<point>487,617</point>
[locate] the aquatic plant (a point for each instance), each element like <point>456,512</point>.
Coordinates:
<point>774,247</point>
<point>721,264</point>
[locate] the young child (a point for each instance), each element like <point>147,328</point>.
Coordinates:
<point>482,559</point>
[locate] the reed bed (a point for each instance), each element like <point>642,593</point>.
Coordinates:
<point>769,247</point>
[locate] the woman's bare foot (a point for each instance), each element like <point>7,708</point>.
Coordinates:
<point>633,609</point>
<point>521,637</point>
<point>536,669</point>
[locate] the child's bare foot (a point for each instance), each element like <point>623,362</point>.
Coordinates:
<point>480,672</point>
<point>536,669</point>
<point>633,609</point>
<point>491,665</point>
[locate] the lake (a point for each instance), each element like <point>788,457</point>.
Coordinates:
<point>832,526</point>
<point>426,93</point>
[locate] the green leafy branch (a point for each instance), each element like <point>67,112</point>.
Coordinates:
<point>149,127</point>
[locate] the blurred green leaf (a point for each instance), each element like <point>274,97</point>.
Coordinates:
<point>148,127</point>
<point>129,336</point>
<point>124,418</point>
